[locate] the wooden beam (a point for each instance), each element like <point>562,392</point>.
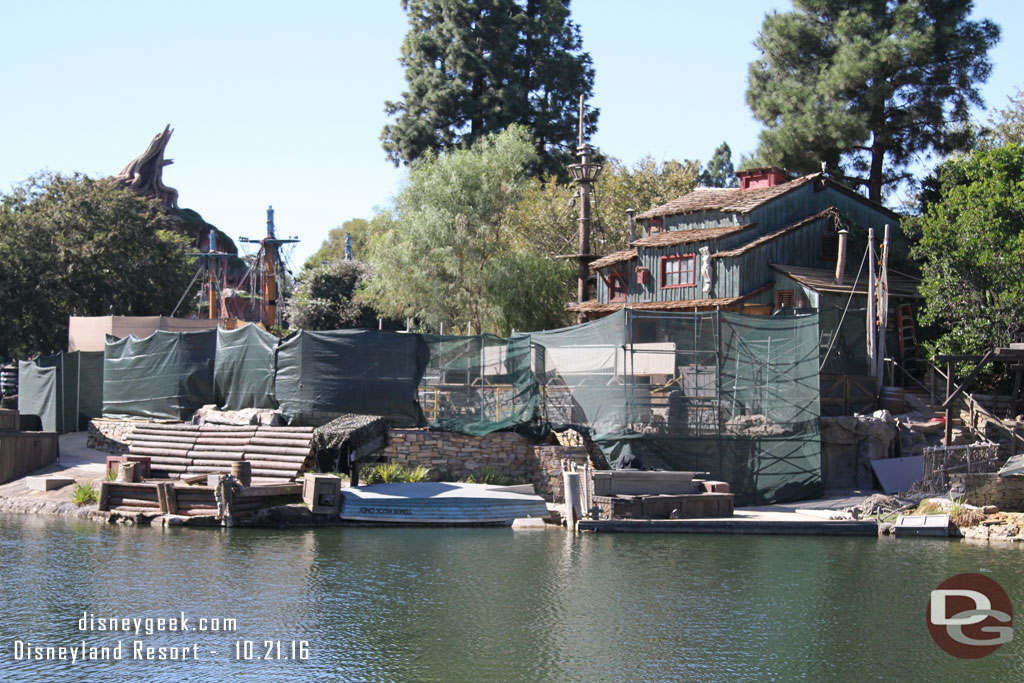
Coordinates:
<point>963,385</point>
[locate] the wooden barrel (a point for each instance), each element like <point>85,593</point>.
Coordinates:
<point>892,399</point>
<point>242,471</point>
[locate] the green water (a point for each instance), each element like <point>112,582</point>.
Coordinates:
<point>491,604</point>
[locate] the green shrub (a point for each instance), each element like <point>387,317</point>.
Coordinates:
<point>489,475</point>
<point>393,473</point>
<point>85,494</point>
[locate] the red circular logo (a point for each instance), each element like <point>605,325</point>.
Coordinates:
<point>970,616</point>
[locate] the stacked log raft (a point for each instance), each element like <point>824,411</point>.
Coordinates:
<point>177,498</point>
<point>277,454</point>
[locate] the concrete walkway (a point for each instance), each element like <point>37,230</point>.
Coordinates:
<point>76,461</point>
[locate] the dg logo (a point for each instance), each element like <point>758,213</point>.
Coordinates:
<point>970,616</point>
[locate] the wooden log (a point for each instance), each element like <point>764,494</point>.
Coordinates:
<point>288,443</point>
<point>209,469</point>
<point>167,467</point>
<point>167,460</point>
<point>267,429</point>
<point>269,473</point>
<point>228,428</point>
<point>276,450</point>
<point>104,501</point>
<point>209,441</point>
<point>168,452</point>
<point>132,509</point>
<point>149,494</point>
<point>267,490</point>
<point>217,455</point>
<point>134,502</point>
<point>272,465</point>
<point>162,426</point>
<point>169,437</point>
<point>219,447</point>
<point>269,457</point>
<point>220,464</point>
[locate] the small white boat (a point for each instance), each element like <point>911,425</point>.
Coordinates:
<point>440,503</point>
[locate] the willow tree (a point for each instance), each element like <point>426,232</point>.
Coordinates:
<point>868,87</point>
<point>474,68</point>
<point>444,253</point>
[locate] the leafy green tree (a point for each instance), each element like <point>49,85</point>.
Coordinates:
<point>71,245</point>
<point>1008,123</point>
<point>444,252</point>
<point>867,87</point>
<point>474,68</point>
<point>971,242</point>
<point>547,215</point>
<point>333,248</point>
<point>325,297</point>
<point>719,171</point>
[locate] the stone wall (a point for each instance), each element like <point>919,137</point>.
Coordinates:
<point>448,455</point>
<point>110,436</point>
<point>457,456</point>
<point>1006,493</point>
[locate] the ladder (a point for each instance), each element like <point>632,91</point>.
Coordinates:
<point>908,336</point>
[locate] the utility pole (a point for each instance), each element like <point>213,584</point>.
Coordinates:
<point>585,174</point>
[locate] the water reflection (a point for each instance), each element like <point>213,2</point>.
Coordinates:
<point>492,604</point>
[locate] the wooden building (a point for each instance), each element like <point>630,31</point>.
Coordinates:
<point>770,243</point>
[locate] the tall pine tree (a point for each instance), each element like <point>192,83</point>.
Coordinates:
<point>867,87</point>
<point>474,67</point>
<point>719,172</point>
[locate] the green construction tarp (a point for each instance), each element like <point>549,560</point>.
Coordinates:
<point>37,393</point>
<point>243,374</point>
<point>732,395</point>
<point>479,384</point>
<point>79,387</point>
<point>165,376</point>
<point>323,375</point>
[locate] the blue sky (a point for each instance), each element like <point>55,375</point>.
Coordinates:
<point>282,103</point>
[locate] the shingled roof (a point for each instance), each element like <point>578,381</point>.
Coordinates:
<point>613,258</point>
<point>673,237</point>
<point>726,200</point>
<point>592,305</point>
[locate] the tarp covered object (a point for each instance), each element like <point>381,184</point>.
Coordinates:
<point>323,375</point>
<point>37,393</point>
<point>79,387</point>
<point>243,374</point>
<point>728,394</point>
<point>168,375</point>
<point>479,384</point>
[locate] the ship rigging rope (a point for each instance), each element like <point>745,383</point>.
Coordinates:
<point>847,308</point>
<point>187,289</point>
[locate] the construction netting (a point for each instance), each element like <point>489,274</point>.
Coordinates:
<point>243,372</point>
<point>735,396</point>
<point>165,376</point>
<point>843,341</point>
<point>323,375</point>
<point>479,384</point>
<point>69,396</point>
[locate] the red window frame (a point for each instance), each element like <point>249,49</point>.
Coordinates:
<point>682,268</point>
<point>617,287</point>
<point>654,226</point>
<point>785,297</point>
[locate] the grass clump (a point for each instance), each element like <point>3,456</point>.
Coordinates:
<point>489,475</point>
<point>393,473</point>
<point>85,494</point>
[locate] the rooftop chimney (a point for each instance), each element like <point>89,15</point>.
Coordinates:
<point>768,176</point>
<point>841,256</point>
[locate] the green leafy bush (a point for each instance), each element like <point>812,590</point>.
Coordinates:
<point>84,494</point>
<point>393,473</point>
<point>489,475</point>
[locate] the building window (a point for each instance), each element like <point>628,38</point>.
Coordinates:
<point>654,226</point>
<point>829,247</point>
<point>616,287</point>
<point>678,271</point>
<point>785,298</point>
